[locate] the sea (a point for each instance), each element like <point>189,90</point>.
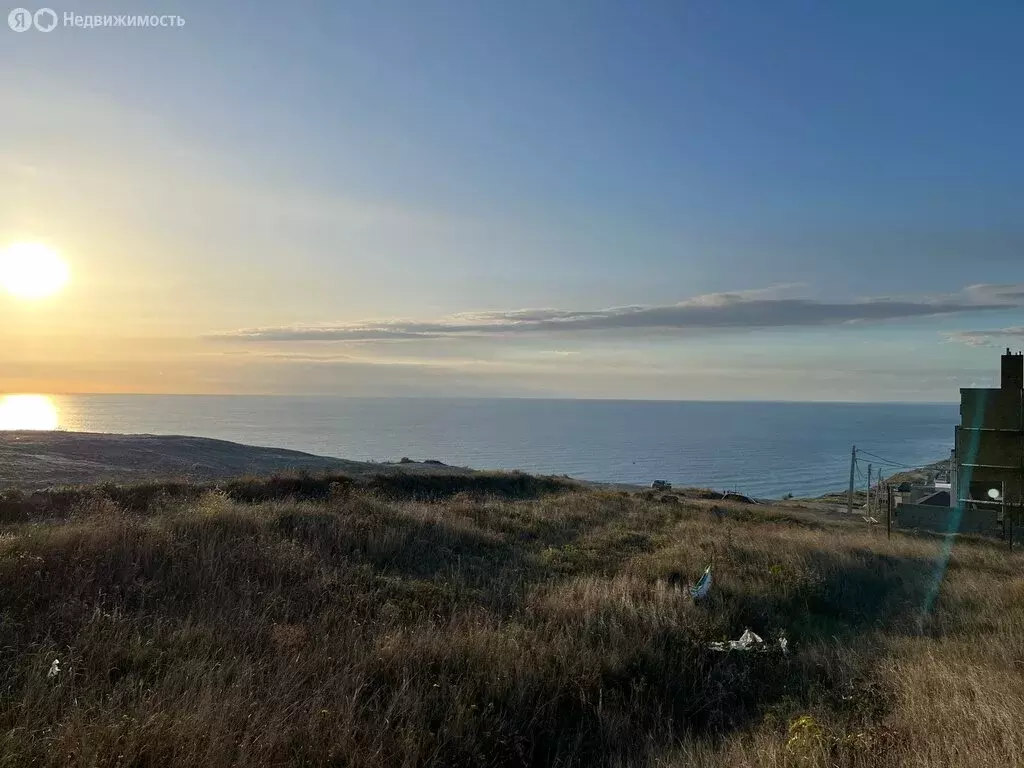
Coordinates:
<point>763,449</point>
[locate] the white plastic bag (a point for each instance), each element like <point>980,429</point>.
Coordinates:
<point>750,641</point>
<point>703,585</point>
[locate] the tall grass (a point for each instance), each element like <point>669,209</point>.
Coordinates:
<point>381,627</point>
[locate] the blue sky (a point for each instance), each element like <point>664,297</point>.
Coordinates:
<point>750,178</point>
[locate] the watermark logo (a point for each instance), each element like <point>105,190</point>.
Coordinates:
<point>20,19</point>
<point>46,20</point>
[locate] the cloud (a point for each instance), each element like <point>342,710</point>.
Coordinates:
<point>737,310</point>
<point>355,332</point>
<point>990,337</point>
<point>1007,294</point>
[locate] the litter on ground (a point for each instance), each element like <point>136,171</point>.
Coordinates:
<point>703,585</point>
<point>751,641</point>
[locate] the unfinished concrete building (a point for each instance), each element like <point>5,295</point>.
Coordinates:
<point>989,453</point>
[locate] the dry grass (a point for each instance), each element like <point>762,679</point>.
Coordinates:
<point>363,630</point>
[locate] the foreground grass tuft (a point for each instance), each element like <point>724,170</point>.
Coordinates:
<point>498,624</point>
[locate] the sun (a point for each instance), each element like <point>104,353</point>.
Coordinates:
<point>28,412</point>
<point>32,271</point>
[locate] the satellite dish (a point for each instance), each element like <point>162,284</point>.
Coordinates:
<point>993,493</point>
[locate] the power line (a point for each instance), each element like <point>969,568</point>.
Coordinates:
<point>894,467</point>
<point>887,461</point>
<point>882,458</point>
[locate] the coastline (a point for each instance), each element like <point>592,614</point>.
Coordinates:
<point>33,460</point>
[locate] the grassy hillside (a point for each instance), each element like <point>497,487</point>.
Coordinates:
<point>519,623</point>
<point>32,460</point>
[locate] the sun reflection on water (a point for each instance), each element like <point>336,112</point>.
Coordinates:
<point>28,412</point>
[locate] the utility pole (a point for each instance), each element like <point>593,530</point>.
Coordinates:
<point>867,506</point>
<point>881,489</point>
<point>849,495</point>
<point>888,512</point>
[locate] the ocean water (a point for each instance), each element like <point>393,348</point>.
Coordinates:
<point>763,449</point>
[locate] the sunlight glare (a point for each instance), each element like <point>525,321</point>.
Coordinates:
<point>36,412</point>
<point>32,271</point>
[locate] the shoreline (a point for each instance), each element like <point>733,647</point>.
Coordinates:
<point>37,459</point>
<point>34,460</point>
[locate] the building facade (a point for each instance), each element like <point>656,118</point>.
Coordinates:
<point>989,452</point>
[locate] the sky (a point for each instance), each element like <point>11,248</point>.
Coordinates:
<point>669,200</point>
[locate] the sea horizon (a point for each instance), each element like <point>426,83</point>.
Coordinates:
<point>279,395</point>
<point>762,448</point>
